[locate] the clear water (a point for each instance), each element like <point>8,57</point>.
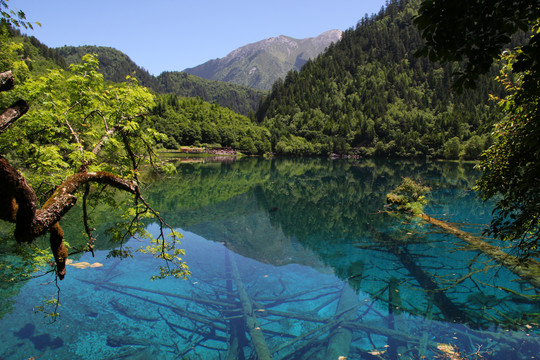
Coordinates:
<point>324,271</point>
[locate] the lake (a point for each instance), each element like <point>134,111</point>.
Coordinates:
<point>290,259</point>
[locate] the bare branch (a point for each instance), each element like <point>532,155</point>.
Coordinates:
<point>11,114</point>
<point>7,81</point>
<point>98,146</point>
<point>77,140</point>
<point>64,199</point>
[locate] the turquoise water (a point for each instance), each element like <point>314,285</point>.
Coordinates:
<point>322,272</point>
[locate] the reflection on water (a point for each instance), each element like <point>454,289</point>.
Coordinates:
<point>292,259</point>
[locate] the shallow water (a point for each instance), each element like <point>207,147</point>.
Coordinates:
<point>321,273</point>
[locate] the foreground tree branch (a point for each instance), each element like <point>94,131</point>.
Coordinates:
<point>71,136</point>
<point>19,205</point>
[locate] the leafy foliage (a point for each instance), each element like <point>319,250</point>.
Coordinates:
<point>408,196</point>
<point>472,31</point>
<point>68,127</point>
<point>14,17</point>
<point>80,127</point>
<point>511,167</point>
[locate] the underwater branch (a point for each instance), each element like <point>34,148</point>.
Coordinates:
<point>409,198</point>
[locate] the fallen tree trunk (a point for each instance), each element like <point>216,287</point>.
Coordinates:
<point>255,332</point>
<point>237,329</point>
<point>527,269</point>
<point>341,337</point>
<point>450,311</point>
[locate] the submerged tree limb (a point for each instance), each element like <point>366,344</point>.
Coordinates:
<point>527,269</point>
<point>340,338</point>
<point>257,337</point>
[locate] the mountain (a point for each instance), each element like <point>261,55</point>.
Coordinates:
<point>115,66</point>
<point>260,64</point>
<point>369,95</point>
<point>241,99</point>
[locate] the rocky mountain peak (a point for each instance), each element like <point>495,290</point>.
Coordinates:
<point>259,64</point>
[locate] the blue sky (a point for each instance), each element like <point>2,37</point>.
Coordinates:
<point>162,35</point>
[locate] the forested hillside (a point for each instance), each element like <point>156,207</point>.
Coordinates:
<point>369,95</point>
<point>115,66</point>
<point>38,57</point>
<point>192,121</point>
<point>241,99</point>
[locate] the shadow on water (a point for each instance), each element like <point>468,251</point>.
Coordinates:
<point>293,259</point>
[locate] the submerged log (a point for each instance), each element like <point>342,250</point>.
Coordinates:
<point>114,286</point>
<point>237,330</point>
<point>257,337</point>
<point>341,337</point>
<point>394,308</point>
<point>450,311</point>
<point>527,269</point>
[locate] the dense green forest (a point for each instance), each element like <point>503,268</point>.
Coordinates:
<point>369,95</point>
<point>38,57</point>
<point>241,99</point>
<point>192,121</point>
<point>115,66</point>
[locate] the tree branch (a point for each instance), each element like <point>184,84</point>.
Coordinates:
<point>98,146</point>
<point>19,205</point>
<point>64,199</point>
<point>14,186</point>
<point>11,114</point>
<point>7,81</point>
<point>18,109</point>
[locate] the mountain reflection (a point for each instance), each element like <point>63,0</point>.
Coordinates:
<point>328,214</point>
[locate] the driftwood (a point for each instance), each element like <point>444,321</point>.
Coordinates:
<point>319,329</point>
<point>237,328</point>
<point>527,269</point>
<point>450,311</point>
<point>214,323</point>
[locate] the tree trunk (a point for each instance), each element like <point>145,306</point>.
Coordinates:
<point>527,269</point>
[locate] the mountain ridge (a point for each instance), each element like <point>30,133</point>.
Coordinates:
<point>115,66</point>
<point>258,65</point>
